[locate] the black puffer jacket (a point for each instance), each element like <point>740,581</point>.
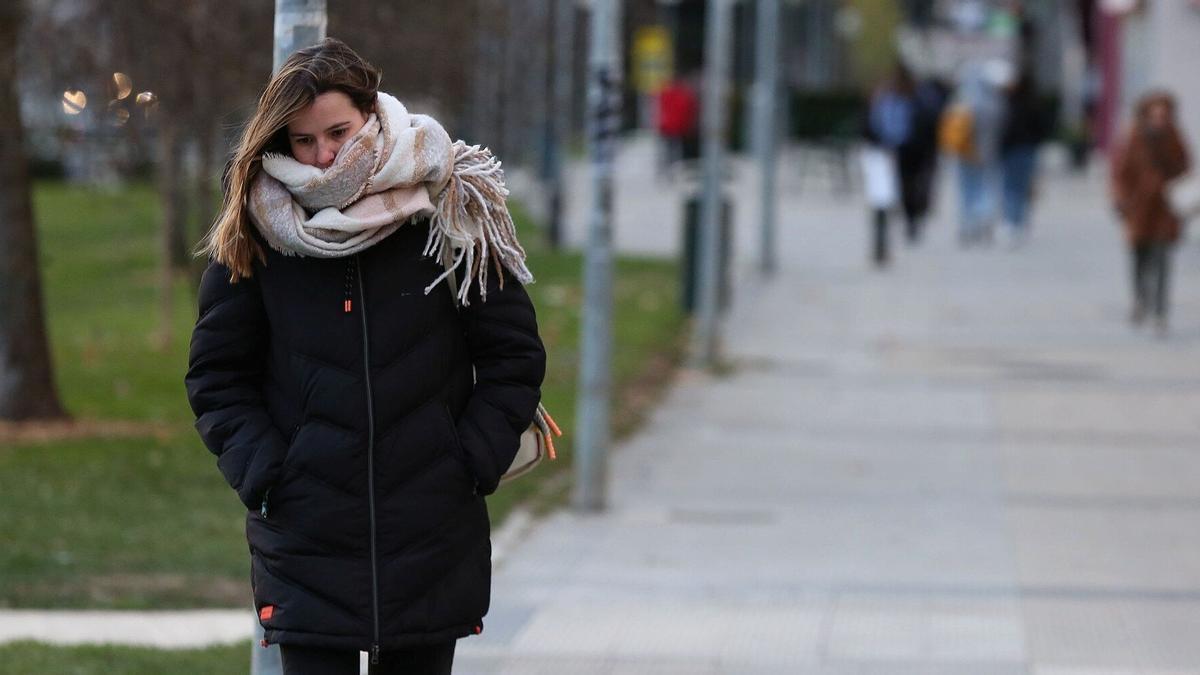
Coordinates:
<point>339,400</point>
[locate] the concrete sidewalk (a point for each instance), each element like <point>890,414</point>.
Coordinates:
<point>186,629</point>
<point>968,463</point>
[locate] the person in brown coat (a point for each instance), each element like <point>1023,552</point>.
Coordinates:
<point>1151,156</point>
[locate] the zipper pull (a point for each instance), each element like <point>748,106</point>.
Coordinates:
<point>263,510</point>
<point>347,304</point>
<point>375,655</point>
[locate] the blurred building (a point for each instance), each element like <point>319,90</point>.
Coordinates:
<point>834,51</point>
<point>823,40</point>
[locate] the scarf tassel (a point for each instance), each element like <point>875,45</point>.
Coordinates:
<point>471,227</point>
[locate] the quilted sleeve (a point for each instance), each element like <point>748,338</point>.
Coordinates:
<point>510,363</point>
<point>224,384</point>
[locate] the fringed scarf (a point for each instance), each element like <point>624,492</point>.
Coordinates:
<point>397,169</point>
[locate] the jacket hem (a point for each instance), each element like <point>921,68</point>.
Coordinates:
<point>363,643</point>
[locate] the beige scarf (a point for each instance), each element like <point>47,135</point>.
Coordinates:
<point>398,168</point>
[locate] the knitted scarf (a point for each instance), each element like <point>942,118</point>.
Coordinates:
<point>398,168</point>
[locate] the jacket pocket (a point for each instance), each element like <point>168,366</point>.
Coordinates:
<point>265,508</point>
<point>291,442</point>
<point>457,453</point>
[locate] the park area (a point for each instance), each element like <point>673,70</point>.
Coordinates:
<point>123,507</point>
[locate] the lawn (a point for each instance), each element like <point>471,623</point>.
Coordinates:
<point>136,515</point>
<point>23,658</point>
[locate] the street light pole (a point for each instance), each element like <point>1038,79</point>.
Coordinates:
<point>767,125</point>
<point>298,24</point>
<point>716,75</point>
<point>595,376</point>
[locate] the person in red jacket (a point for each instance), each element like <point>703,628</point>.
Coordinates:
<point>678,116</point>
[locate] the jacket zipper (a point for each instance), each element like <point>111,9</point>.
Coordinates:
<point>362,300</point>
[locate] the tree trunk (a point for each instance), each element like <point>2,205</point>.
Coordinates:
<point>174,225</point>
<point>205,195</point>
<point>27,389</point>
<point>172,193</point>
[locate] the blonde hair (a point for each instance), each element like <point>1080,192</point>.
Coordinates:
<point>328,66</point>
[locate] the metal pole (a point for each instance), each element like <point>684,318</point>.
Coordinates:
<point>537,29</point>
<point>483,100</point>
<point>767,125</point>
<point>298,24</point>
<point>716,75</point>
<point>604,117</point>
<point>560,117</point>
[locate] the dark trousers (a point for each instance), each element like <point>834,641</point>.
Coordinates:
<point>917,167</point>
<point>424,660</point>
<point>879,244</point>
<point>1151,275</point>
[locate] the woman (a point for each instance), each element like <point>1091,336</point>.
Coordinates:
<point>1152,155</point>
<point>918,158</point>
<point>887,130</point>
<point>978,99</point>
<point>1024,130</point>
<point>361,409</point>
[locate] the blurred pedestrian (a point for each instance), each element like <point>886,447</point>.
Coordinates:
<point>362,446</point>
<point>678,114</point>
<point>888,127</point>
<point>1152,154</point>
<point>918,157</point>
<point>1025,128</point>
<point>970,132</point>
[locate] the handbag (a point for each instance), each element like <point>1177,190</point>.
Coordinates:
<point>1183,194</point>
<point>537,441</point>
<point>879,177</point>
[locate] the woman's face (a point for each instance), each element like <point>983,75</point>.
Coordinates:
<point>1158,116</point>
<point>318,131</point>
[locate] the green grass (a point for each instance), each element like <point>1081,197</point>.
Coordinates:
<point>119,523</point>
<point>100,273</point>
<point>146,521</point>
<point>23,658</point>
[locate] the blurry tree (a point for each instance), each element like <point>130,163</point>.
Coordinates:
<point>27,388</point>
<point>480,66</point>
<point>200,65</point>
<point>425,49</point>
<point>874,41</point>
<point>198,60</point>
<point>191,64</point>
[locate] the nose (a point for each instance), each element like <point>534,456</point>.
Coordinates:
<point>325,154</point>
